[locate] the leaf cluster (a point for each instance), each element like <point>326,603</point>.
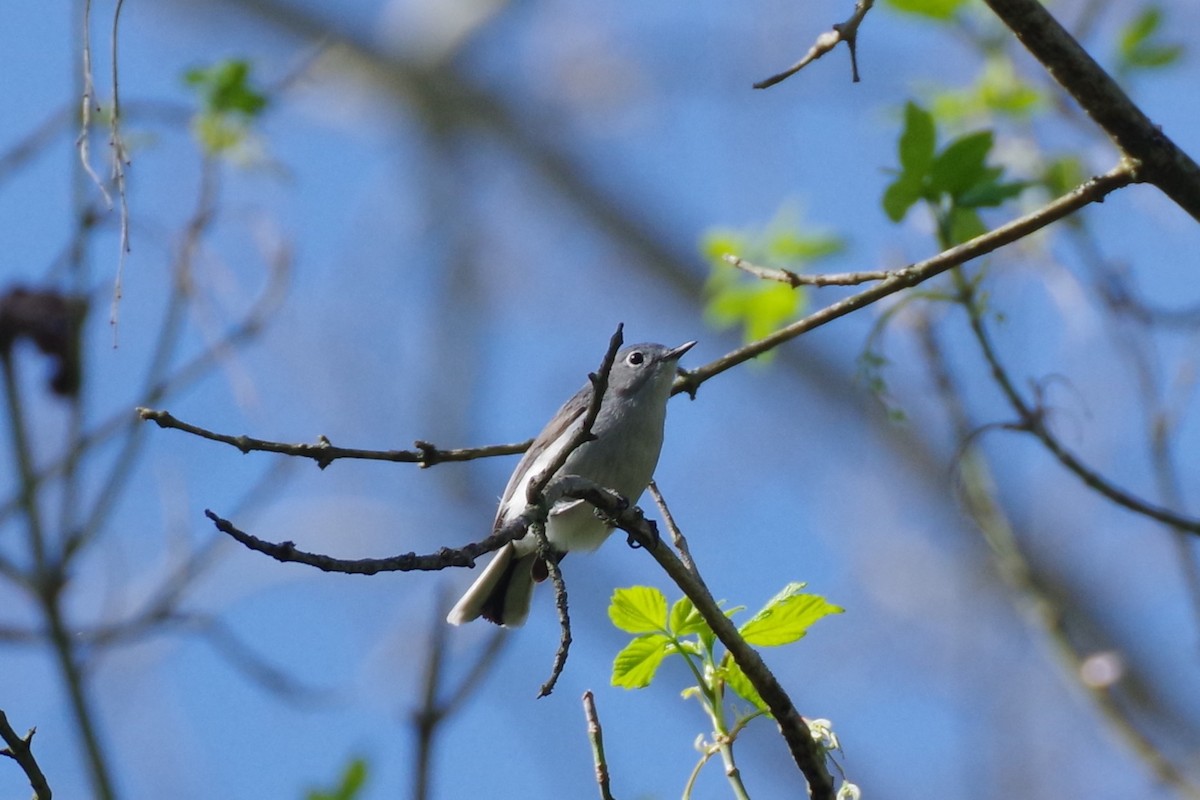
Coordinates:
<point>955,181</point>
<point>760,307</point>
<point>229,104</point>
<point>659,633</point>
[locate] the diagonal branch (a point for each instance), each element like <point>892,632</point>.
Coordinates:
<point>1161,161</point>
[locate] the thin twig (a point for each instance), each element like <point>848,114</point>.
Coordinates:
<point>427,718</point>
<point>538,530</point>
<point>796,279</point>
<point>20,749</point>
<point>596,738</point>
<point>677,537</point>
<point>325,453</point>
<point>842,32</point>
<point>87,101</point>
<point>1032,420</point>
<point>120,157</point>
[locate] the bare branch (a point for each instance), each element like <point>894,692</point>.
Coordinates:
<point>795,279</point>
<point>596,737</point>
<point>842,32</point>
<point>1033,420</point>
<point>560,604</point>
<point>677,537</point>
<point>325,453</point>
<point>19,749</point>
<point>465,556</point>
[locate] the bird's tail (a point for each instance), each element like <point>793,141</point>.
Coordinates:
<point>502,594</point>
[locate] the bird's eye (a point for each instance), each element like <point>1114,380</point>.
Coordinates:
<point>635,358</point>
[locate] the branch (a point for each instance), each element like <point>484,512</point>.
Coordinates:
<point>1161,162</point>
<point>464,556</point>
<point>1091,191</point>
<point>596,737</point>
<point>19,749</point>
<point>560,604</point>
<point>1033,420</point>
<point>842,32</point>
<point>1040,605</point>
<point>795,279</point>
<point>325,453</point>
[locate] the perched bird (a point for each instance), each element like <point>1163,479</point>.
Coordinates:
<point>628,435</point>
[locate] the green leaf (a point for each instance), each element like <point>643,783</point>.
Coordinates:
<point>685,619</point>
<point>934,9</point>
<point>1062,175</point>
<point>635,665</point>
<point>225,88</point>
<point>991,194</point>
<point>998,89</point>
<point>1137,46</point>
<point>718,243</point>
<point>917,142</point>
<point>900,196</point>
<point>965,224</point>
<point>736,680</point>
<point>1140,28</point>
<point>961,164</point>
<point>786,617</point>
<point>353,779</point>
<point>760,308</point>
<point>790,246</point>
<point>638,609</point>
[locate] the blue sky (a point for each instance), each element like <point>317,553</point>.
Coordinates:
<point>444,286</point>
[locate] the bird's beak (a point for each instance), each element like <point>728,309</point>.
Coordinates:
<point>674,355</point>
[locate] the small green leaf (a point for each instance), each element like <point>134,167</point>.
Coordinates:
<point>786,617</point>
<point>901,195</point>
<point>685,619</point>
<point>352,781</point>
<point>1062,175</point>
<point>961,164</point>
<point>638,609</point>
<point>718,243</point>
<point>736,680</point>
<point>789,246</point>
<point>934,9</point>
<point>225,88</point>
<point>917,142</point>
<point>989,194</point>
<point>1138,47</point>
<point>635,665</point>
<point>965,224</point>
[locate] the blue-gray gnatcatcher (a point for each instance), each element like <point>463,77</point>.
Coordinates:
<point>628,437</point>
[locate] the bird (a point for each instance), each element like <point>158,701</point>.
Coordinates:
<point>622,454</point>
